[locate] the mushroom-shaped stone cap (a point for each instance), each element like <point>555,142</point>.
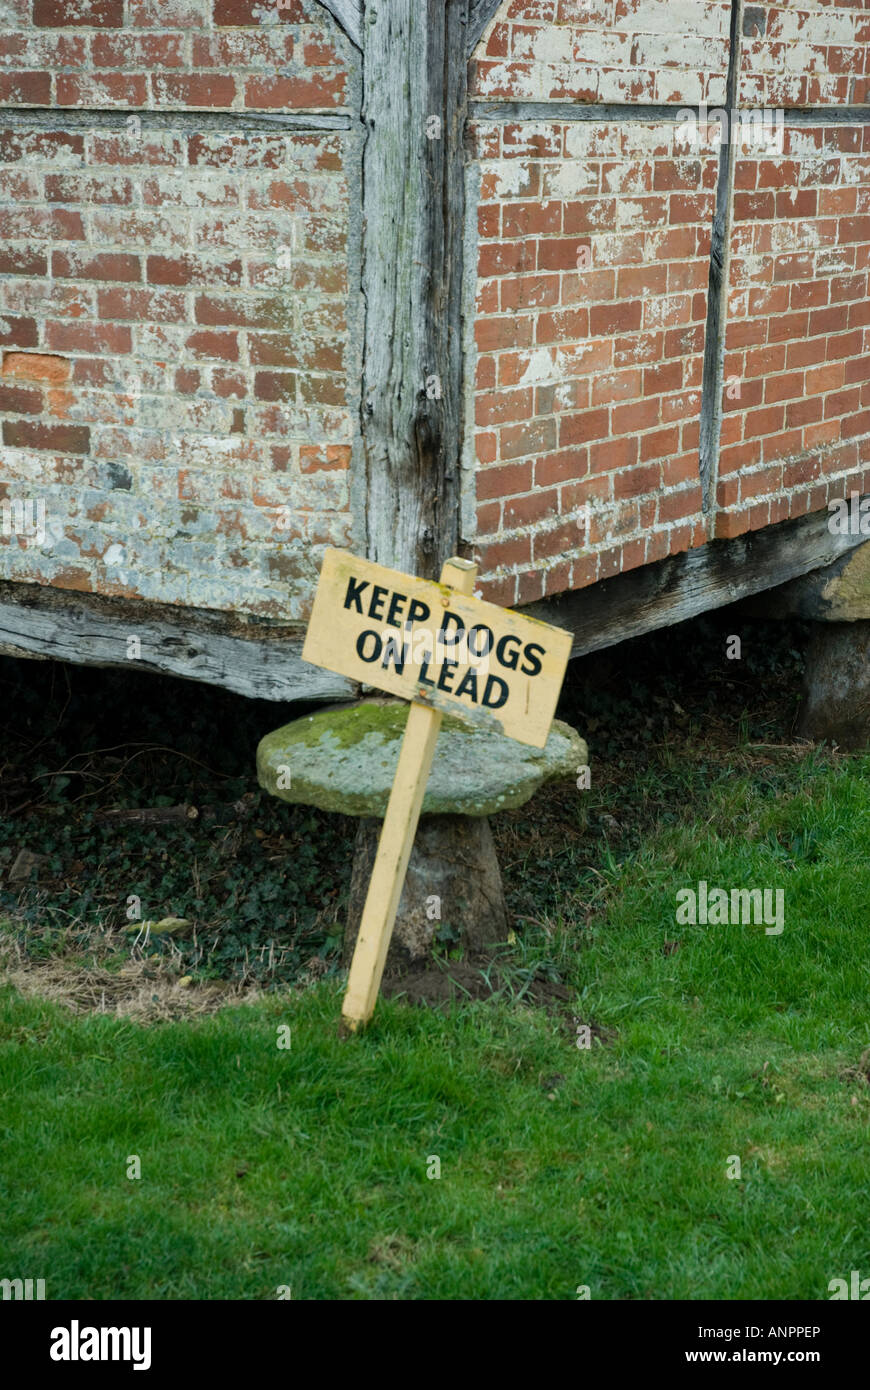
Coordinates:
<point>345,760</point>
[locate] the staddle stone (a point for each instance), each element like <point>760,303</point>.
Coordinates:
<point>837,685</point>
<point>345,760</point>
<point>452,892</point>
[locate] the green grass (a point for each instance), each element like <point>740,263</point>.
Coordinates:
<point>559,1167</point>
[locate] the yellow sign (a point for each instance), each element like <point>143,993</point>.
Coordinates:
<point>427,642</point>
<point>443,650</point>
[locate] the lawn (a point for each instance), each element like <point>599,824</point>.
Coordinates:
<point>560,1167</point>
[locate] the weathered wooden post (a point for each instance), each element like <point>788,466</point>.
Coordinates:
<point>414,109</point>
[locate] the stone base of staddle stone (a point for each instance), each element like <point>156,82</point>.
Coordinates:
<point>837,685</point>
<point>453,871</point>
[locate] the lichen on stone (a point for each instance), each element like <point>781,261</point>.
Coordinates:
<point>344,760</point>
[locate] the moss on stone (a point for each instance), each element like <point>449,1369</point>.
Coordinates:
<point>344,760</point>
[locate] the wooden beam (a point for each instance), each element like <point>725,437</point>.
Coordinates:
<point>260,660</point>
<point>839,593</point>
<point>349,14</point>
<point>414,109</point>
<point>482,12</point>
<point>683,586</point>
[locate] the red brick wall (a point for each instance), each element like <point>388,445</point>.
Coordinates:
<point>795,54</point>
<point>171,54</point>
<point>584,444</point>
<point>179,316</point>
<point>605,51</point>
<point>176,381</point>
<point>798,329</point>
<point>591,303</point>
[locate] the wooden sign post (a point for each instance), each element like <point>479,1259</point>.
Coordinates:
<point>442,649</point>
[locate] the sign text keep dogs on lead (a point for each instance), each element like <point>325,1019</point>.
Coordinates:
<point>423,641</point>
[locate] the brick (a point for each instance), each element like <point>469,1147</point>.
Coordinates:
<point>660,379</point>
<point>605,456</point>
<point>563,326</point>
<point>36,366</point>
<point>246,13</point>
<point>842,402</point>
<point>79,265</point>
<point>827,378</point>
<point>498,407</point>
<point>486,448</point>
<point>816,436</point>
<point>223,347</point>
<point>531,586</point>
<point>635,417</point>
<point>141,305</point>
<point>805,412</point>
<point>794,202</point>
<point>113,338</point>
<point>558,253</point>
<point>583,427</point>
<point>536,437</point>
<point>506,553</point>
<point>187,381</point>
<point>323,458</point>
<point>659,444</point>
<point>21,145</point>
<point>506,258</point>
<point>787,387</point>
<point>19,400</point>
<point>275,386</point>
<point>102,89</point>
<point>531,219</point>
<point>84,14</point>
<point>314,92</point>
<point>17,331</point>
<point>810,295</point>
<point>636,481</point>
<point>194,89</point>
<point>767,421</point>
<point>616,386</point>
<point>530,292</point>
<point>493,335</point>
<point>25,88</point>
<point>546,544</point>
<point>138,50</point>
<point>74,188</point>
<point>505,481</point>
<point>606,319</point>
<point>22,262</point>
<point>805,354</point>
<point>62,439</point>
<point>784,326</point>
<point>561,468</point>
<point>751,206</point>
<point>533,507</point>
<point>193,270</point>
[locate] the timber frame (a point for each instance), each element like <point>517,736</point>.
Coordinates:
<point>263,660</point>
<point>413,193</point>
<point>414,110</point>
